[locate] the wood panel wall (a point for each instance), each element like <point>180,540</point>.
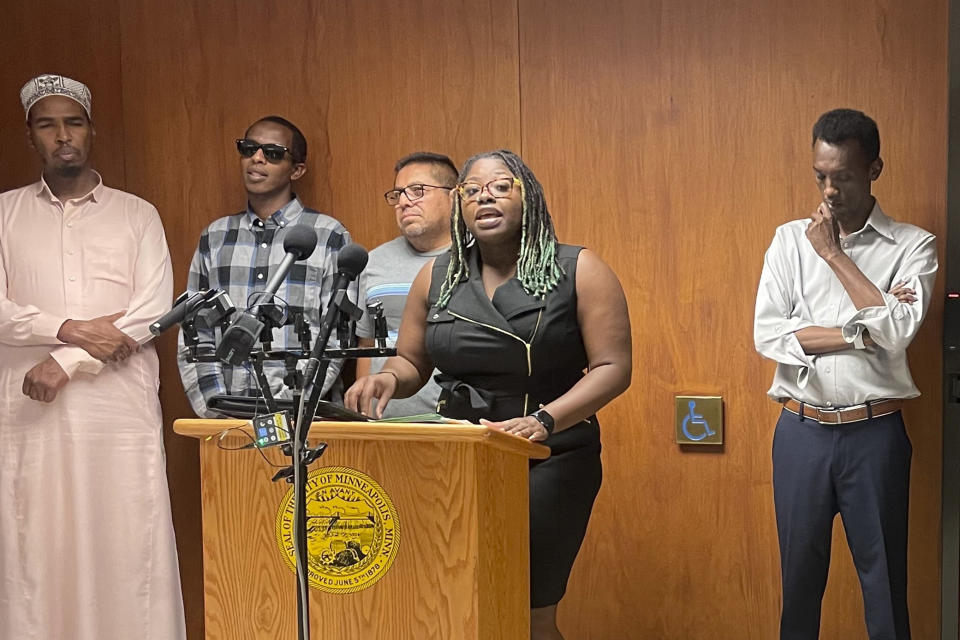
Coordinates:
<point>35,42</point>
<point>671,138</point>
<point>684,128</point>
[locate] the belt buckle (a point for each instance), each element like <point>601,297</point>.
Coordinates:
<point>822,412</point>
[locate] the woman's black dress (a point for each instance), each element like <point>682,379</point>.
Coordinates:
<point>504,358</point>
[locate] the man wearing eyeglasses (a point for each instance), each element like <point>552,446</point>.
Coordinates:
<point>421,203</point>
<point>239,253</point>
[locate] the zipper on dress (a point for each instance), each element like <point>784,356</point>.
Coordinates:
<point>527,346</point>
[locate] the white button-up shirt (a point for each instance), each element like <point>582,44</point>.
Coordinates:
<point>798,289</point>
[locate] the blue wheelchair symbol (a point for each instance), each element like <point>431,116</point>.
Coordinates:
<point>696,418</point>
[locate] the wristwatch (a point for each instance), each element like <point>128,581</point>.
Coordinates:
<point>543,418</point>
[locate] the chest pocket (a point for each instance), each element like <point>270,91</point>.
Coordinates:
<point>439,332</point>
<point>107,264</point>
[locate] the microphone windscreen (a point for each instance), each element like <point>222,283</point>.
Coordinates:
<point>351,260</point>
<point>300,240</point>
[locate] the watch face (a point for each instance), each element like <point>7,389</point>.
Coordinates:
<point>544,418</point>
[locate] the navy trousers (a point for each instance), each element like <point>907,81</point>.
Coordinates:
<point>860,470</point>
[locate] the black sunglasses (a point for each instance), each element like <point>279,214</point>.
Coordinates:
<point>272,152</point>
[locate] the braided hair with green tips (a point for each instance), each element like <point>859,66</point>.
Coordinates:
<point>538,270</point>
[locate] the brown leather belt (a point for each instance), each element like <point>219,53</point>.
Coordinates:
<point>874,409</point>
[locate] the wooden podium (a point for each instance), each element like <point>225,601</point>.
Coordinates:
<point>450,561</point>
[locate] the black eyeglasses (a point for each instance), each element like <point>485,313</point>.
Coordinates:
<point>272,152</point>
<point>413,191</point>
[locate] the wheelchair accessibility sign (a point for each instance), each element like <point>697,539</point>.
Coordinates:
<point>699,419</point>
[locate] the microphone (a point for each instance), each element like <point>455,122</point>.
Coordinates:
<point>351,260</point>
<point>299,243</point>
<point>184,304</point>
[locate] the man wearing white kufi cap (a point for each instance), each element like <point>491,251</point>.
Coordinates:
<point>51,85</point>
<point>86,539</point>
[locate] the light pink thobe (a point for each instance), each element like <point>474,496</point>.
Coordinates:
<point>87,550</point>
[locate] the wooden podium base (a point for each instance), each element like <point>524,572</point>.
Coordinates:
<point>460,569</point>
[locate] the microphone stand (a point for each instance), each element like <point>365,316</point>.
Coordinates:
<point>314,375</point>
<point>302,455</point>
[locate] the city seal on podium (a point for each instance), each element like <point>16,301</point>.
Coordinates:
<point>352,530</point>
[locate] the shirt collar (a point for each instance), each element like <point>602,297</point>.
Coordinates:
<point>95,194</point>
<point>471,299</point>
<point>287,215</point>
<point>879,221</point>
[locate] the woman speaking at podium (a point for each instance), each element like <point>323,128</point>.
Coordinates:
<point>531,337</point>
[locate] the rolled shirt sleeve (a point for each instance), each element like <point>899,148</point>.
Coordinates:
<point>894,324</point>
<point>777,316</point>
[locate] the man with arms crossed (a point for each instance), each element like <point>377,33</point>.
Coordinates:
<point>840,345</point>
<point>87,550</point>
<point>421,202</point>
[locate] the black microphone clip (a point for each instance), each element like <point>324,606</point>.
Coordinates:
<point>239,338</point>
<point>184,306</point>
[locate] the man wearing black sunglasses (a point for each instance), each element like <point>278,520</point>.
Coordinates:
<point>420,200</point>
<point>239,254</point>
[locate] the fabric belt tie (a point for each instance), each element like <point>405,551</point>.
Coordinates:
<point>866,411</point>
<point>465,394</point>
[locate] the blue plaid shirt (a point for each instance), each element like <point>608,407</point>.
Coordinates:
<point>238,254</point>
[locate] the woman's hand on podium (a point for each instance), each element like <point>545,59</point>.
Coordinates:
<point>526,427</point>
<point>378,388</point>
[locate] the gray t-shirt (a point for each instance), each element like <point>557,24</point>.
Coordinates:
<point>389,274</point>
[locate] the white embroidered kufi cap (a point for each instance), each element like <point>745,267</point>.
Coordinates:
<point>53,85</point>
